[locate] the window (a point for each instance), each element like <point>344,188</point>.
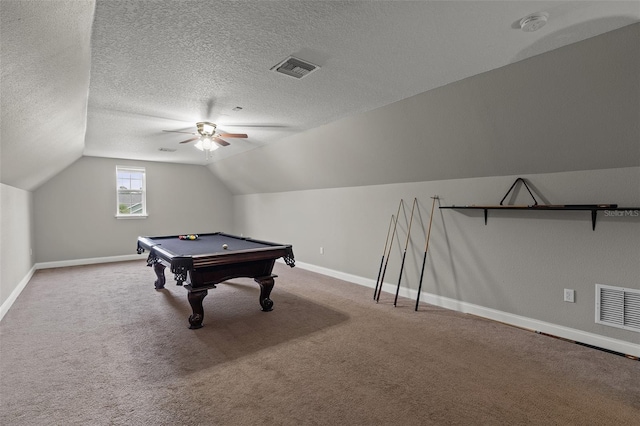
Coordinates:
<point>131,192</point>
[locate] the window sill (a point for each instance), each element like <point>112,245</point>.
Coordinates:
<point>132,216</point>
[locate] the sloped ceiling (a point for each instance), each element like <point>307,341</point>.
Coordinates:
<point>45,48</point>
<point>575,108</point>
<point>107,78</point>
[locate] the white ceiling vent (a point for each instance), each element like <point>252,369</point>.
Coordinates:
<point>295,67</point>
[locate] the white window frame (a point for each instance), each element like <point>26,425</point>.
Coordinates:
<point>143,213</point>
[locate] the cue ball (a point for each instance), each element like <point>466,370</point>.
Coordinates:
<point>224,246</point>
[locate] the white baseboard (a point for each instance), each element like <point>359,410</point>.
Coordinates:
<point>597,340</point>
<point>538,326</point>
<point>337,274</point>
<point>89,261</point>
<point>4,308</point>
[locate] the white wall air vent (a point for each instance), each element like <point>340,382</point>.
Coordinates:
<point>295,67</point>
<point>618,307</point>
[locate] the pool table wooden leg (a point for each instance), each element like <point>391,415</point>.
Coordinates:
<point>266,285</point>
<point>158,268</point>
<point>195,300</point>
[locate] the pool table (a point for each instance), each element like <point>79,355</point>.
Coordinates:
<point>211,259</point>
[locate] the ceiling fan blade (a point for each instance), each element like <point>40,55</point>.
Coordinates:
<point>192,139</point>
<point>267,126</point>
<point>233,135</point>
<point>221,142</point>
<point>179,131</point>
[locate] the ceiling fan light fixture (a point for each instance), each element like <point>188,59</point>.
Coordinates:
<point>208,144</point>
<point>205,143</point>
<point>209,139</point>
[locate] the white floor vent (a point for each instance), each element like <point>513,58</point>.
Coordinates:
<point>618,307</point>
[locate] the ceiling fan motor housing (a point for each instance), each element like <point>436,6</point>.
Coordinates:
<point>206,128</point>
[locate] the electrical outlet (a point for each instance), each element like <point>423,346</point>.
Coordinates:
<point>569,295</point>
<point>321,250</point>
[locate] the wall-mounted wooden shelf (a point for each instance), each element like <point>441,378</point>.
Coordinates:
<point>593,208</point>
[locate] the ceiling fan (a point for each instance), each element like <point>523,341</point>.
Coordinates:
<point>207,136</point>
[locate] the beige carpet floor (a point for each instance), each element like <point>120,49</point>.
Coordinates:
<point>98,345</point>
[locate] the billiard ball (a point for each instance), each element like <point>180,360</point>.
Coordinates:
<point>224,246</point>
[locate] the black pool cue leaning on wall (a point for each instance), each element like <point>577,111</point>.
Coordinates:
<point>404,255</point>
<point>384,252</point>
<point>426,248</point>
<point>384,270</point>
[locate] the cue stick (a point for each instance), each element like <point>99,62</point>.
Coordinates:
<point>384,270</point>
<point>384,252</point>
<point>424,259</point>
<point>406,244</point>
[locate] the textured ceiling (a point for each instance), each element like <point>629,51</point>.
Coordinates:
<point>163,65</point>
<point>45,61</point>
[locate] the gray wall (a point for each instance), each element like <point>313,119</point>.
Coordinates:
<point>519,263</point>
<point>574,108</point>
<point>568,120</point>
<point>16,238</point>
<point>75,211</point>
